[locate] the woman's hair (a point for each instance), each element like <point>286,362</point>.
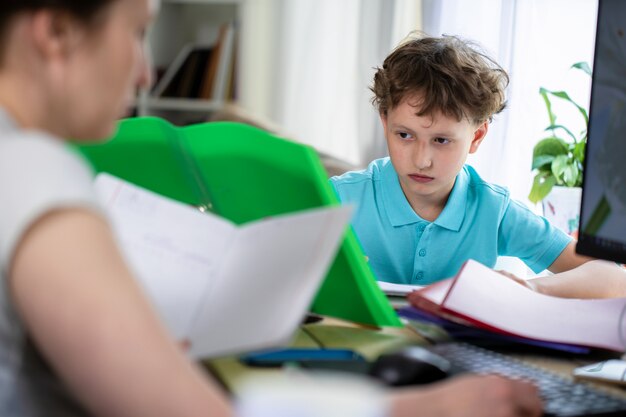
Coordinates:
<point>83,10</point>
<point>447,75</point>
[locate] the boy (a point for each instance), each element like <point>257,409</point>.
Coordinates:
<point>421,213</point>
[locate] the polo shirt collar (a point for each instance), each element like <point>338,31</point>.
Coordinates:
<point>401,213</point>
<point>453,213</point>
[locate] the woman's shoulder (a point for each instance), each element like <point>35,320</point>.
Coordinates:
<point>38,174</point>
<point>28,154</point>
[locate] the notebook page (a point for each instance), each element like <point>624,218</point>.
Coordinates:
<point>173,249</point>
<point>268,281</point>
<point>488,297</point>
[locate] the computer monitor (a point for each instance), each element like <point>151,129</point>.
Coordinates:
<point>603,209</point>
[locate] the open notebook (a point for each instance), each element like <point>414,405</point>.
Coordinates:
<point>243,174</point>
<point>481,297</point>
<point>223,288</point>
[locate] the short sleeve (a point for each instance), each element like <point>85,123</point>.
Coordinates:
<point>532,238</point>
<point>37,174</point>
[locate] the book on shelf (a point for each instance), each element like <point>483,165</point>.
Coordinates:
<point>220,68</point>
<point>221,287</point>
<point>201,71</point>
<point>483,298</point>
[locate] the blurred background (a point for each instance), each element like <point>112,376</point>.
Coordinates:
<point>303,67</point>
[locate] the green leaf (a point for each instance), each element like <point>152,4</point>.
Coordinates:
<point>579,178</point>
<point>559,165</point>
<point>556,161</point>
<point>550,146</point>
<point>546,100</point>
<point>542,185</point>
<point>564,96</point>
<point>570,175</point>
<point>579,151</point>
<point>554,127</point>
<point>583,66</point>
<point>542,160</point>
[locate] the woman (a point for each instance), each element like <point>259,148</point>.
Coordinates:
<point>77,335</point>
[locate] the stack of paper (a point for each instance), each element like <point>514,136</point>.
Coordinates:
<point>483,298</point>
<point>390,288</point>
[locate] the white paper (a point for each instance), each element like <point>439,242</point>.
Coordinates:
<point>613,370</point>
<point>488,297</point>
<point>391,288</point>
<point>222,287</point>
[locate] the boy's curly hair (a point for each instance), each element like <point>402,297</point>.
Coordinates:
<point>446,74</point>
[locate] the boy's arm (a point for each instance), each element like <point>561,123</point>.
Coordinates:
<point>577,276</point>
<point>91,321</point>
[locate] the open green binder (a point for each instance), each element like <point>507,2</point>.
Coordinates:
<point>243,173</point>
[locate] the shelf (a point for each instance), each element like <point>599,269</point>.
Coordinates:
<point>184,41</point>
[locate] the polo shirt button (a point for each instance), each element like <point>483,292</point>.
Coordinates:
<point>422,252</point>
<point>420,275</point>
<point>421,227</point>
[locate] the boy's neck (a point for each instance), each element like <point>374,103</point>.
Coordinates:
<point>429,207</point>
<point>428,212</point>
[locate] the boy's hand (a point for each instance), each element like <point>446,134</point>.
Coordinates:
<point>526,283</point>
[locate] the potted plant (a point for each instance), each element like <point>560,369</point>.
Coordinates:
<point>558,163</point>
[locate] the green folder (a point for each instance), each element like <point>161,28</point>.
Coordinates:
<point>243,173</point>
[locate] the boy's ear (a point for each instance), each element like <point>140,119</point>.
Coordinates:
<point>54,33</point>
<point>479,135</point>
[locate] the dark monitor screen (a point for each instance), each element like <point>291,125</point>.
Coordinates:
<point>603,208</point>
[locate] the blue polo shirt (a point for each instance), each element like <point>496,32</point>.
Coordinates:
<point>480,221</point>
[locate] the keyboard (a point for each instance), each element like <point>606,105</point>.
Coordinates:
<point>562,397</point>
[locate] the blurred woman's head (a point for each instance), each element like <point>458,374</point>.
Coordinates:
<point>71,67</point>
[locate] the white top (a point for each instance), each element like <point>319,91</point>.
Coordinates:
<point>38,173</point>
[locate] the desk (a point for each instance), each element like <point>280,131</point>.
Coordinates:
<point>329,333</point>
<point>371,342</point>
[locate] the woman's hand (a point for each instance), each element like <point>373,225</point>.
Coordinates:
<point>525,282</point>
<point>469,396</point>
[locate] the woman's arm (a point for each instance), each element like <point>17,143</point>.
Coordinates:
<point>577,276</point>
<point>469,396</point>
<point>90,319</point>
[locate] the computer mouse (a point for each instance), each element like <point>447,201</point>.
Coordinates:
<point>410,366</point>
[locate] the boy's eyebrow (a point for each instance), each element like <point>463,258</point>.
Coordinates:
<point>400,126</point>
<point>445,134</point>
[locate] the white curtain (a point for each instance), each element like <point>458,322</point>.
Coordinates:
<point>536,41</point>
<point>327,52</point>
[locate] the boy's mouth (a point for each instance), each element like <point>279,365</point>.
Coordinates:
<point>420,178</point>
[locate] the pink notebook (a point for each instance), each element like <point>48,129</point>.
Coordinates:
<point>484,298</point>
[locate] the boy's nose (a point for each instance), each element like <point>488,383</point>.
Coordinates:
<point>422,159</point>
<point>424,164</point>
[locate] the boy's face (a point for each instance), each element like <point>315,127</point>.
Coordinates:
<point>428,152</point>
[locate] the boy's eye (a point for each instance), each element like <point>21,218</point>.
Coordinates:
<point>442,141</point>
<point>405,135</point>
